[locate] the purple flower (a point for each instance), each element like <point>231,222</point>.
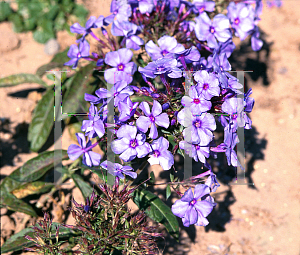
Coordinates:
<point>91,23</point>
<point>230,141</point>
<point>167,44</point>
<point>235,108</point>
<point>145,6</point>
<point>199,127</point>
<point>199,153</point>
<point>129,30</point>
<point>118,170</point>
<point>75,54</point>
<point>195,101</point>
<point>212,182</point>
<point>119,92</point>
<point>207,84</point>
<point>160,154</point>
<point>199,6</point>
<point>123,69</point>
<point>94,126</point>
<point>127,109</point>
<point>256,43</point>
<point>120,10</point>
<point>207,30</point>
<point>191,209</point>
<point>130,143</point>
<point>162,66</point>
<point>242,18</point>
<point>90,158</point>
<point>221,65</point>
<point>154,117</point>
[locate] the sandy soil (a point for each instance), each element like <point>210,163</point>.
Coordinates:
<point>263,219</point>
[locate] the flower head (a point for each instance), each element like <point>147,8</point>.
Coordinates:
<point>194,208</point>
<point>118,170</point>
<point>76,53</point>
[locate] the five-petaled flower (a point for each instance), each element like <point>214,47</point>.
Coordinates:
<point>191,209</point>
<point>117,169</point>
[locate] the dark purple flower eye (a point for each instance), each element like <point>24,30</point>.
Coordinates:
<point>196,101</point>
<point>156,153</point>
<point>193,202</point>
<point>164,52</point>
<point>212,30</point>
<point>120,67</point>
<point>133,143</point>
<point>236,21</point>
<point>205,86</point>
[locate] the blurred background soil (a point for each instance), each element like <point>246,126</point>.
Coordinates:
<point>259,219</point>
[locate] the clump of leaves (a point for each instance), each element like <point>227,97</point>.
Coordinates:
<point>107,226</point>
<point>45,18</point>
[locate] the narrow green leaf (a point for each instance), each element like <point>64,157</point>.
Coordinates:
<point>9,184</point>
<point>12,203</point>
<point>42,121</point>
<point>17,242</point>
<point>84,187</point>
<point>141,99</point>
<point>36,167</point>
<point>21,78</point>
<point>73,101</point>
<point>171,177</point>
<point>152,180</point>
<point>157,210</point>
<point>168,191</point>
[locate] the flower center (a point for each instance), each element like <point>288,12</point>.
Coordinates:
<point>236,21</point>
<point>159,69</point>
<point>193,201</point>
<point>120,67</point>
<point>164,52</point>
<point>197,123</point>
<point>152,118</point>
<point>78,55</point>
<point>196,101</point>
<point>133,143</point>
<point>197,147</point>
<point>201,9</point>
<point>221,68</point>
<point>234,116</point>
<point>212,30</point>
<point>205,86</point>
<point>156,153</point>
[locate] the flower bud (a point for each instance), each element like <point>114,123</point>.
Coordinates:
<point>165,106</point>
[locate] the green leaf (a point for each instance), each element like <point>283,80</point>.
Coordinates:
<point>152,180</point>
<point>67,6</point>
<point>9,184</point>
<point>80,12</point>
<point>30,24</point>
<point>5,11</point>
<point>42,121</point>
<point>171,177</point>
<point>157,210</point>
<point>44,31</point>
<point>17,242</point>
<point>60,21</point>
<point>168,191</point>
<point>141,99</point>
<point>73,101</point>
<point>180,152</point>
<point>84,187</point>
<point>12,203</point>
<point>51,15</point>
<point>36,167</point>
<point>51,77</point>
<point>32,188</point>
<point>17,21</point>
<point>21,78</point>
<point>57,61</point>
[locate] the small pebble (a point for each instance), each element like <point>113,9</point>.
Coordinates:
<point>51,47</point>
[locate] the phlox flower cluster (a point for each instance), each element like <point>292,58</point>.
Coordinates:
<point>189,59</point>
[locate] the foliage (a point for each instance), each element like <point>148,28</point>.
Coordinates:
<point>45,18</point>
